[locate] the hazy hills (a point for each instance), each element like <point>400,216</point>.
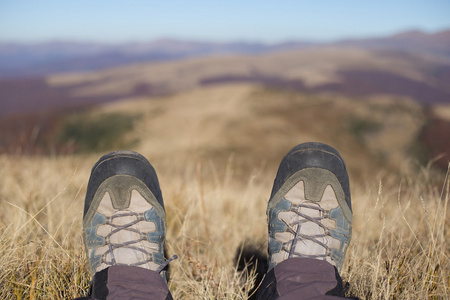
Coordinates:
<point>20,60</point>
<point>345,70</point>
<point>409,41</point>
<point>351,71</point>
<point>24,60</point>
<point>373,97</point>
<point>37,78</point>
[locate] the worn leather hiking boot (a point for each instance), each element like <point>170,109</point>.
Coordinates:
<point>124,220</point>
<point>309,212</point>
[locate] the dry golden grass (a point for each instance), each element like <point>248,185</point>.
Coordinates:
<point>398,250</point>
<point>216,158</point>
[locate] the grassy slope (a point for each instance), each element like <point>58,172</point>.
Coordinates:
<point>313,67</point>
<point>216,151</point>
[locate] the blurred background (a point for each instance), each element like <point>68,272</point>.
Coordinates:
<point>245,80</point>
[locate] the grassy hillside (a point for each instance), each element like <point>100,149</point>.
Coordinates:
<point>216,151</point>
<point>347,70</point>
<point>255,125</point>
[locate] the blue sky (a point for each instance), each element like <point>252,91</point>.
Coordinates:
<point>117,21</point>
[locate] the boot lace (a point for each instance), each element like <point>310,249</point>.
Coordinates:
<point>299,237</point>
<point>129,244</point>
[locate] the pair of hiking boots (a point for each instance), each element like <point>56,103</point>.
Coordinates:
<point>309,211</point>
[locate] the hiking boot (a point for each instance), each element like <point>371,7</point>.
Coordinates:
<point>124,221</point>
<point>309,212</point>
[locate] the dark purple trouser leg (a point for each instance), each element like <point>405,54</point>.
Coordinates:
<point>301,278</point>
<point>125,282</point>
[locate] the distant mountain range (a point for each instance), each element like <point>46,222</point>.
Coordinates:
<point>20,60</point>
<point>31,60</point>
<point>62,76</point>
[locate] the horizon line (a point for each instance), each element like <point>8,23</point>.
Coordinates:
<point>229,41</point>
